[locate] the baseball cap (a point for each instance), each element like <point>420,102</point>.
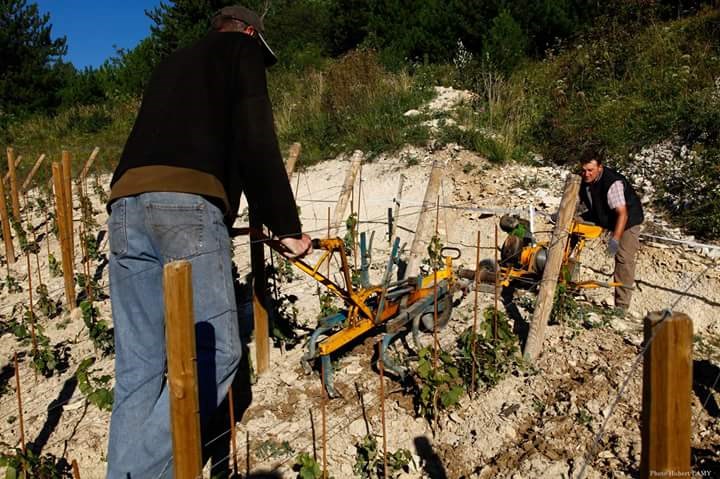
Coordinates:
<point>238,12</point>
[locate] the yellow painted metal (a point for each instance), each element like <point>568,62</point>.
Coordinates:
<point>586,230</point>
<point>579,233</point>
<point>348,334</point>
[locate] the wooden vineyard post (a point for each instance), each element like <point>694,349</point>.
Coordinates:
<point>418,249</point>
<point>546,295</point>
<point>7,233</point>
<point>667,396</point>
<point>67,192</point>
<point>233,430</point>
<point>75,469</point>
<point>182,369</point>
<point>34,170</point>
<point>89,163</point>
<point>293,156</point>
<point>14,198</point>
<point>17,162</point>
<point>60,211</point>
<point>260,311</point>
<point>346,191</point>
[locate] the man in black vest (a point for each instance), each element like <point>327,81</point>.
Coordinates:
<point>612,203</point>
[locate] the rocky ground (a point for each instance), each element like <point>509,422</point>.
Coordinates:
<point>551,419</point>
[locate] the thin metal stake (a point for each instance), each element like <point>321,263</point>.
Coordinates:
<point>20,408</point>
<point>323,401</point>
<point>381,366</point>
<point>475,311</point>
<point>495,317</point>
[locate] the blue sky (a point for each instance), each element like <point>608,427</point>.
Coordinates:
<point>92,27</point>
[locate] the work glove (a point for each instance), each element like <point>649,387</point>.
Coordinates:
<point>612,247</point>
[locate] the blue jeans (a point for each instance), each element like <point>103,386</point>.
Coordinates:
<point>146,232</point>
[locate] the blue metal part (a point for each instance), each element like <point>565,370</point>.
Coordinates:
<point>389,364</point>
<point>328,375</point>
<point>325,325</point>
<point>364,263</point>
<point>388,273</point>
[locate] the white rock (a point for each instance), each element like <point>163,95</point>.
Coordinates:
<point>357,428</point>
<point>411,113</point>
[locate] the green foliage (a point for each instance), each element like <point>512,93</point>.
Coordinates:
<point>55,266</point>
<point>350,238</point>
<point>28,54</point>
<point>328,305</point>
<point>29,464</point>
<point>568,310</point>
<point>45,304</point>
<point>693,194</point>
<point>435,258</point>
<point>92,248</point>
<point>93,388</point>
<point>307,467</point>
<point>505,43</point>
<point>270,449</point>
<point>352,104</point>
<point>87,282</point>
<point>494,358</point>
<point>438,388</point>
<point>99,190</point>
<point>369,461</point>
<point>11,284</point>
<point>98,329</point>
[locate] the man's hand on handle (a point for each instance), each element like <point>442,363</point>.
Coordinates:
<point>296,248</point>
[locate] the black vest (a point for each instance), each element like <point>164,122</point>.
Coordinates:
<point>599,211</point>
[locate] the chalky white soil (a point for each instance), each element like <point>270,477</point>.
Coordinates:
<point>539,422</point>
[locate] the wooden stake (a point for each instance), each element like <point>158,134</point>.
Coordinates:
<point>543,308</point>
<point>396,211</point>
<point>475,313</point>
<point>233,431</point>
<point>328,235</point>
<point>89,163</point>
<point>260,312</point>
<point>346,191</point>
<point>20,408</point>
<point>293,155</point>
<point>67,261</point>
<point>418,249</point>
<point>667,396</point>
<point>32,311</point>
<point>7,233</point>
<point>68,196</point>
<point>17,162</point>
<point>34,170</point>
<point>381,367</point>
<point>14,198</point>
<point>182,369</point>
<point>75,469</point>
<point>436,341</point>
<point>32,229</point>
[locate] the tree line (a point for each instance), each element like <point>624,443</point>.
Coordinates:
<point>500,34</point>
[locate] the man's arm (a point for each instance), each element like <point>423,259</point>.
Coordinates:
<point>622,219</point>
<point>259,162</point>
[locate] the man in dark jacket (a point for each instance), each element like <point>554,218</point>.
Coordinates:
<point>203,135</point>
<point>612,203</point>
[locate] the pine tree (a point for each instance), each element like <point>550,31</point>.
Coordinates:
<point>29,80</point>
